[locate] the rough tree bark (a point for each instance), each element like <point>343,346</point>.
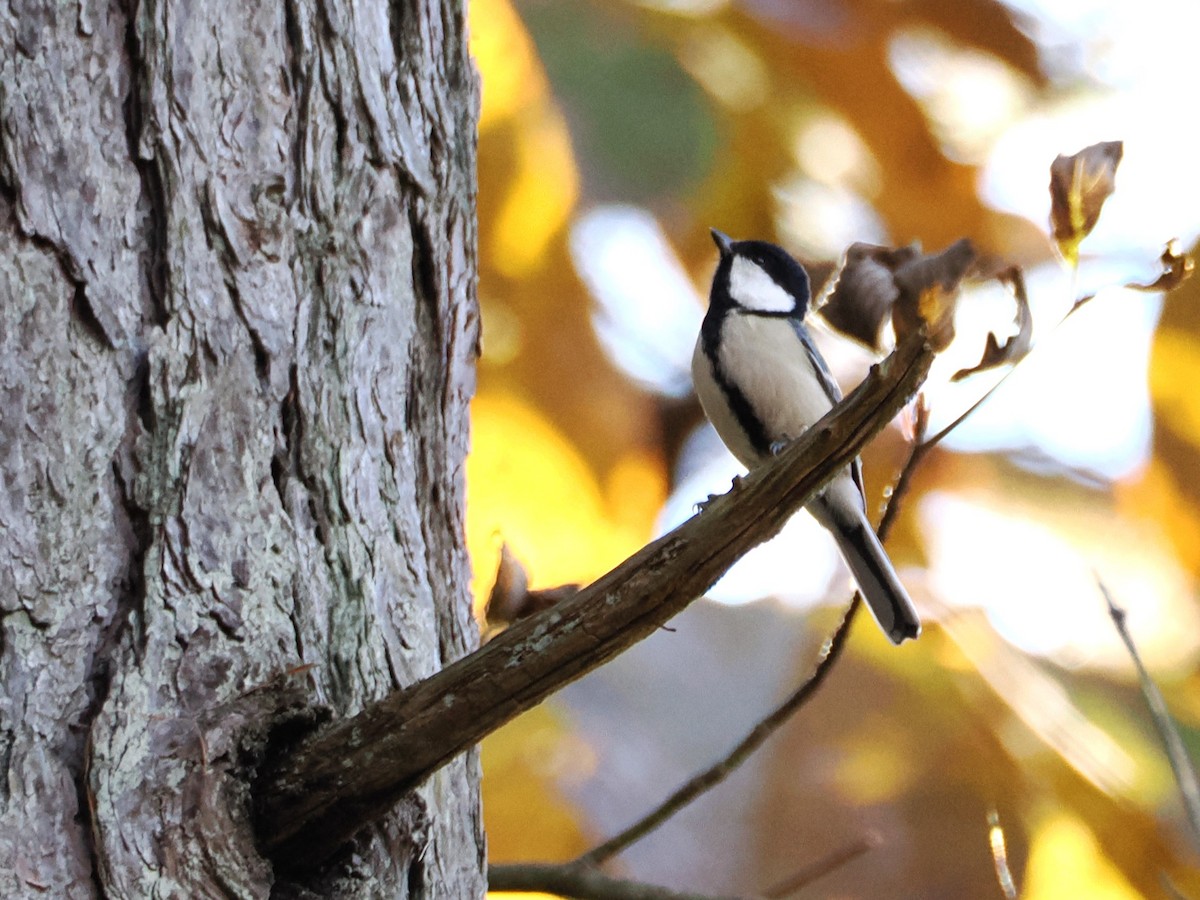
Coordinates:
<point>237,336</point>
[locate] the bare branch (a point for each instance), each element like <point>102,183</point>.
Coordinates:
<point>581,883</point>
<point>709,778</point>
<point>328,787</point>
<point>823,866</point>
<point>1181,764</point>
<point>1080,302</point>
<point>706,780</point>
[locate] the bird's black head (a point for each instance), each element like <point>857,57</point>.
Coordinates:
<point>758,277</point>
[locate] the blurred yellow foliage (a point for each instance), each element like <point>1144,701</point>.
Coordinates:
<point>525,814</point>
<point>1065,860</point>
<point>542,193</point>
<point>634,492</point>
<point>1173,378</point>
<point>543,182</point>
<point>527,485</point>
<point>1157,498</point>
<point>507,61</point>
<point>570,458</point>
<point>873,771</point>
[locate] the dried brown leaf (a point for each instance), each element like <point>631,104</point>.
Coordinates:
<point>928,293</point>
<point>511,599</point>
<point>915,289</point>
<point>1079,185</point>
<point>1176,269</point>
<point>865,291</point>
<point>1018,345</point>
<point>509,591</point>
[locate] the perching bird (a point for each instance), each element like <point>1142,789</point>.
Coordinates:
<point>763,383</point>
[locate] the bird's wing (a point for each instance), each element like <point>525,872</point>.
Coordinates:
<point>831,387</point>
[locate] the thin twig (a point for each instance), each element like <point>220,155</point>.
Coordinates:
<point>823,866</point>
<point>581,883</point>
<point>722,769</point>
<point>1181,764</point>
<point>917,449</point>
<point>941,435</point>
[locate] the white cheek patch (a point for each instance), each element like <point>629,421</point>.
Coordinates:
<point>753,289</point>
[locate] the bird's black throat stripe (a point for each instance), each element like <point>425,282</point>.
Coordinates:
<point>739,404</point>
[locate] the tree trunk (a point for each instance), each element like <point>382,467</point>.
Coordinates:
<point>237,336</point>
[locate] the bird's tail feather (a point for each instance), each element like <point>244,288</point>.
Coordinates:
<point>877,580</point>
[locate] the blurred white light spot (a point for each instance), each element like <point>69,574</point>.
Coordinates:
<point>818,221</point>
<point>797,566</point>
<point>830,150</point>
<point>969,97</point>
<point>1081,397</point>
<point>1035,587</point>
<point>648,312</point>
<point>1113,41</point>
<point>1036,579</point>
<point>1154,201</point>
<point>1143,56</point>
<point>685,7</point>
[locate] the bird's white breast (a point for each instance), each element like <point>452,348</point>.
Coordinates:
<point>765,359</point>
<point>717,408</point>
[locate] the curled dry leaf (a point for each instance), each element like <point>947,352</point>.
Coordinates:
<point>511,599</point>
<point>865,291</point>
<point>913,287</point>
<point>509,590</point>
<point>1017,346</point>
<point>929,287</point>
<point>1176,269</point>
<point>1079,185</point>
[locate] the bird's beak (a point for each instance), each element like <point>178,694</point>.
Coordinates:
<point>722,241</point>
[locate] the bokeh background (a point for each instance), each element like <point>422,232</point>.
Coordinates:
<point>612,136</point>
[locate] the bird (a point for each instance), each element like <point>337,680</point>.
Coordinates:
<point>763,383</point>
